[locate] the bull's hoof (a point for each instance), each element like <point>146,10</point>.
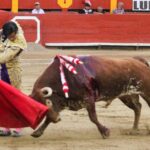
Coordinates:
<point>105,133</point>
<point>57,120</point>
<point>134,132</point>
<point>36,134</point>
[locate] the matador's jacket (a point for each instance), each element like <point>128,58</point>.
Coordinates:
<point>10,69</point>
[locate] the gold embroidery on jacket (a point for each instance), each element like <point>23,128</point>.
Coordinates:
<point>9,55</point>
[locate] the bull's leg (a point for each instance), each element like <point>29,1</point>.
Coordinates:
<point>41,129</point>
<point>133,103</point>
<point>93,117</point>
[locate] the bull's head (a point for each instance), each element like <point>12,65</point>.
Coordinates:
<point>46,94</point>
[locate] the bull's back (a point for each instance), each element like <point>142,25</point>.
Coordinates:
<point>113,75</point>
<point>118,66</point>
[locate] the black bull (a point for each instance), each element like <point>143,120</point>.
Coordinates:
<point>98,79</point>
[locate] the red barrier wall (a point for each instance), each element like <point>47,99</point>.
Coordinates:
<point>73,28</point>
<point>5,4</point>
<point>52,4</point>
<point>96,28</point>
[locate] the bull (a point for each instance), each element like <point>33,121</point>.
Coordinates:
<point>98,79</point>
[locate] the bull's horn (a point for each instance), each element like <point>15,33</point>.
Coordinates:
<point>46,91</point>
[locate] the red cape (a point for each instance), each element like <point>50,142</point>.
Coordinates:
<point>18,110</point>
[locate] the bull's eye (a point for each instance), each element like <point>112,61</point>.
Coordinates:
<point>45,92</point>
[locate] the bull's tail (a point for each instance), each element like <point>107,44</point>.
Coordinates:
<point>141,60</point>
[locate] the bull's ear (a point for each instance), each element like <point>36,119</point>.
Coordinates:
<point>46,91</point>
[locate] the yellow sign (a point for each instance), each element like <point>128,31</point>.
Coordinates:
<point>14,6</point>
<point>113,5</point>
<point>64,3</point>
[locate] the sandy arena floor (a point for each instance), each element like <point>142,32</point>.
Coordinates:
<point>75,131</point>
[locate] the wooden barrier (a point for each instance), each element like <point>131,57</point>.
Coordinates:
<point>76,28</point>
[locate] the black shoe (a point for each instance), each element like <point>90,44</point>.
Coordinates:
<point>16,133</point>
<point>5,133</point>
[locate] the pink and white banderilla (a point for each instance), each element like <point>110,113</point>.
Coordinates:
<point>66,62</point>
